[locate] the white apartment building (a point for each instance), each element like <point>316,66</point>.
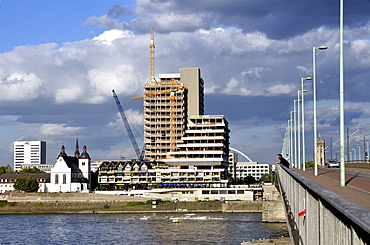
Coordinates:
<point>29,153</point>
<point>205,143</point>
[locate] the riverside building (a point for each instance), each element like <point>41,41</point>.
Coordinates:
<point>176,131</point>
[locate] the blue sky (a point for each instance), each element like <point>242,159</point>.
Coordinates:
<point>59,61</point>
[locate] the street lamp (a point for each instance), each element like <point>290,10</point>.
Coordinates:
<point>303,135</point>
<point>291,137</point>
<point>295,134</point>
<point>314,102</point>
<point>299,131</point>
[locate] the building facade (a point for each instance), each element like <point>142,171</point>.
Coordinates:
<point>71,173</point>
<point>176,131</point>
<point>320,152</point>
<point>241,170</point>
<point>205,143</point>
<point>167,104</point>
<point>7,181</point>
<point>134,175</point>
<point>29,153</point>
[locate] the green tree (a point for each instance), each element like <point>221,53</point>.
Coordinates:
<point>6,169</point>
<point>310,164</point>
<point>30,170</point>
<point>26,184</point>
<point>266,178</point>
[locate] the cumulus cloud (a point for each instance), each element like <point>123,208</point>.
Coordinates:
<point>53,129</point>
<point>106,22</point>
<point>21,86</point>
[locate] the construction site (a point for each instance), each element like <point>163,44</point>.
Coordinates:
<point>182,147</point>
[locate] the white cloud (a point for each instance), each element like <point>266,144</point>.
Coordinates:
<point>109,36</point>
<point>105,21</point>
<point>53,129</point>
<point>21,86</point>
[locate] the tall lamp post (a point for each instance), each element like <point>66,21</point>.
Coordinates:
<point>295,134</point>
<point>314,102</point>
<point>303,134</point>
<point>341,97</point>
<point>291,137</point>
<point>299,130</point>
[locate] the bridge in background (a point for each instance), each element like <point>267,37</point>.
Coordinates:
<point>317,214</point>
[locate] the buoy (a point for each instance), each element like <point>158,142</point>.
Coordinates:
<point>176,221</point>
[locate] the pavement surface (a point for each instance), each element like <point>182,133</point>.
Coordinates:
<point>356,190</point>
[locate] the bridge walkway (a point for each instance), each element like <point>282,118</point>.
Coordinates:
<point>357,189</point>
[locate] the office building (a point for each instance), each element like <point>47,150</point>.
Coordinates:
<point>29,153</point>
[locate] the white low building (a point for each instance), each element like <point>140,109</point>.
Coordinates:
<point>242,170</point>
<point>7,181</point>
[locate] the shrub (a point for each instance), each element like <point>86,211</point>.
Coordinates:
<point>26,184</point>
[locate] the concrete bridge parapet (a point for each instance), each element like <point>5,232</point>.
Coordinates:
<point>319,216</point>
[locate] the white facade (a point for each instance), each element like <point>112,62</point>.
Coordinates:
<point>7,181</point>
<point>65,176</point>
<point>28,153</point>
<point>193,194</point>
<point>245,169</point>
<point>205,142</point>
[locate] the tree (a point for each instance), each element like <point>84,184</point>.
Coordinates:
<point>266,178</point>
<point>30,170</point>
<point>250,180</point>
<point>26,184</point>
<point>6,169</point>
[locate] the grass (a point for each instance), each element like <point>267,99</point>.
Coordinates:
<point>4,203</point>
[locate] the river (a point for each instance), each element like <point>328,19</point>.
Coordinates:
<point>150,228</point>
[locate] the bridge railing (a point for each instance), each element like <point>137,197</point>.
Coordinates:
<point>317,215</point>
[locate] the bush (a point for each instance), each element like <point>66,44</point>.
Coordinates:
<point>26,184</point>
<point>30,170</point>
<point>310,164</point>
<point>266,178</point>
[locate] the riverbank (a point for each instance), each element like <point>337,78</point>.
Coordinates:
<point>27,207</point>
<point>16,202</point>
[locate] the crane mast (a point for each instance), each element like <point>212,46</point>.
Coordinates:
<point>152,46</point>
<point>172,98</point>
<point>139,154</point>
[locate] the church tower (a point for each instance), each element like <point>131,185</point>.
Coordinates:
<point>84,163</point>
<point>77,152</point>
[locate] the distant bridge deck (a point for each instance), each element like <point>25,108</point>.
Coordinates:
<point>357,189</point>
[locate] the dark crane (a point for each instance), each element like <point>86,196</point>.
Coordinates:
<point>140,154</point>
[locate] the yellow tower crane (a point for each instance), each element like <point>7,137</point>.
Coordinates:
<point>152,47</point>
<point>171,92</point>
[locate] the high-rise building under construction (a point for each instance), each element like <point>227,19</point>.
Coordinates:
<point>176,131</point>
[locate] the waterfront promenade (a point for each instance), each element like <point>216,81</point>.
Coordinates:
<point>357,189</point>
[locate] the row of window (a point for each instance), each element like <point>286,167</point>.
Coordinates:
<point>222,192</point>
<point>64,179</point>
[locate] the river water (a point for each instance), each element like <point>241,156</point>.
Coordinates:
<point>152,228</point>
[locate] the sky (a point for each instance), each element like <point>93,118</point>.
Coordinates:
<point>60,60</point>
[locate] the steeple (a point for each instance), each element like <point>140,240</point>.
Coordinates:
<point>77,152</point>
<point>62,152</point>
<point>84,154</point>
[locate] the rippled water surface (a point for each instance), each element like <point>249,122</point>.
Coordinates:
<point>156,228</point>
